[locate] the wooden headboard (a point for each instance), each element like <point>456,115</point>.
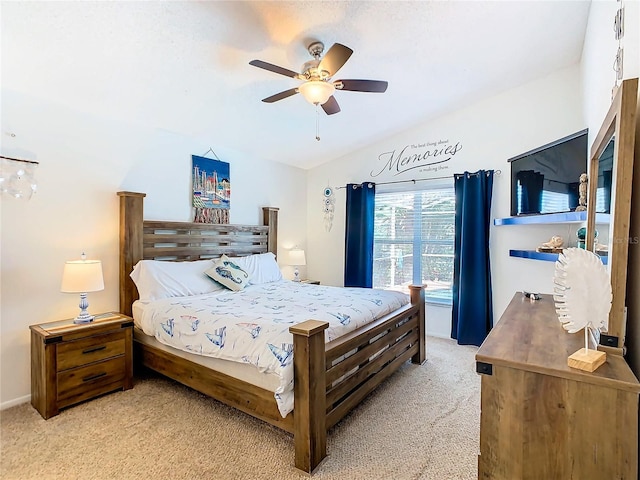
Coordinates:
<point>179,241</point>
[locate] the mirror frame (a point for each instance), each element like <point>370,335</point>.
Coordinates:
<point>619,124</point>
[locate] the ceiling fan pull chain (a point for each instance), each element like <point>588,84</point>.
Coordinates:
<point>317,122</point>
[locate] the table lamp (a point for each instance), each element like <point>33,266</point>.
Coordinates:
<point>297,258</point>
<point>82,276</point>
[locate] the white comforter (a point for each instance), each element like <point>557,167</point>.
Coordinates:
<point>252,325</point>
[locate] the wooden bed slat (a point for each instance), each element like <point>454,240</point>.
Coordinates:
<point>349,403</point>
<point>355,379</point>
<point>367,350</point>
<point>179,237</point>
<point>352,340</point>
<point>201,250</point>
<point>189,226</point>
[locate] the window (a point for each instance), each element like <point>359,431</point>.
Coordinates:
<point>413,241</point>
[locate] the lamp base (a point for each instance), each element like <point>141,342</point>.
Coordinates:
<point>296,275</point>
<point>86,318</point>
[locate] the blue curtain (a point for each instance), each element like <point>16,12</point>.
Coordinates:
<point>472,306</point>
<point>358,251</point>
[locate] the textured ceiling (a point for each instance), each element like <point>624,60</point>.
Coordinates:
<point>183,66</point>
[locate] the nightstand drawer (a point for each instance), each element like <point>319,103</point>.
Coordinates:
<point>91,349</point>
<point>87,381</point>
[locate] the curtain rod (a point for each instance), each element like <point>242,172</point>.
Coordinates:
<point>19,160</point>
<point>497,174</point>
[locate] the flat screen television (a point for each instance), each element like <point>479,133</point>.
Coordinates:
<point>546,179</point>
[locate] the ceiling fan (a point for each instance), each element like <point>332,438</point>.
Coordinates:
<point>318,88</point>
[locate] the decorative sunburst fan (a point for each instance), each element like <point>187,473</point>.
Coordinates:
<point>582,290</point>
<point>582,296</point>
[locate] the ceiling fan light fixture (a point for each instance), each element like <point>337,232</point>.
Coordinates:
<point>317,92</point>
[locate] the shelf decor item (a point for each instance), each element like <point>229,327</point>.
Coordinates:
<point>554,245</point>
<point>581,233</point>
<point>582,192</point>
<point>82,276</point>
<point>582,296</point>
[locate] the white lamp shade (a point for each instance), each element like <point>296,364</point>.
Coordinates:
<point>81,276</point>
<point>316,92</point>
<point>296,257</point>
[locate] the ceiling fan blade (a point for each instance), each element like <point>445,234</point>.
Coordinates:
<point>335,58</point>
<point>274,68</point>
<point>280,96</point>
<point>331,106</point>
<point>375,86</point>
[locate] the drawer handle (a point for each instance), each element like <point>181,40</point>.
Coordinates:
<point>94,349</point>
<point>93,377</point>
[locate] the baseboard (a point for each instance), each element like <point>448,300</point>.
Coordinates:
<point>438,335</point>
<point>15,401</point>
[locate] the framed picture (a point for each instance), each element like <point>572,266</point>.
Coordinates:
<point>211,187</point>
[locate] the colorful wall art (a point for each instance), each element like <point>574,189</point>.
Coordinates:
<point>211,185</point>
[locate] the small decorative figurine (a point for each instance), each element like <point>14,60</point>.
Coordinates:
<point>582,191</point>
<point>554,245</point>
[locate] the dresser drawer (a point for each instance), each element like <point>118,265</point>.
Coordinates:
<point>85,382</point>
<point>88,350</point>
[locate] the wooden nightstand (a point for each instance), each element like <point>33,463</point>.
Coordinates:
<point>71,362</point>
<point>311,282</point>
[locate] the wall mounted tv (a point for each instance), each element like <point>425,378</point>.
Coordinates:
<point>546,179</point>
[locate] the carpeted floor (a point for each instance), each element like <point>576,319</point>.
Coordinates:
<point>422,423</point>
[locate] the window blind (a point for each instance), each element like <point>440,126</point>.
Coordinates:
<point>413,241</point>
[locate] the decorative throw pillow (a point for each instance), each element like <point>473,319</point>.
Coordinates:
<point>229,274</point>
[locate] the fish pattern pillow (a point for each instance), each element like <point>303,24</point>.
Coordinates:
<point>227,273</point>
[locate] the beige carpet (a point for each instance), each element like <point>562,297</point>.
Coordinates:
<point>422,423</point>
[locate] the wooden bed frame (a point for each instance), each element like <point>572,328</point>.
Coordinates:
<point>326,385</point>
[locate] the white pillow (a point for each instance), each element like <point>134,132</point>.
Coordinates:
<point>262,268</point>
<point>157,279</point>
<point>228,274</point>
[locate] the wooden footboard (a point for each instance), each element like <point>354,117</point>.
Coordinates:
<point>329,379</point>
<point>333,378</point>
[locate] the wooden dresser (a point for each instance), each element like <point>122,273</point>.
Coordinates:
<point>544,420</point>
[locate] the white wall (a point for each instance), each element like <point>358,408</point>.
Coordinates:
<point>489,132</point>
<point>599,51</point>
<point>598,54</point>
<point>84,161</point>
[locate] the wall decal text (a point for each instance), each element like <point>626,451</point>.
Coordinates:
<point>427,157</point>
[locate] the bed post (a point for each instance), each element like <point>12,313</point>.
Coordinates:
<point>270,219</point>
<point>309,414</point>
<point>131,245</point>
<point>417,298</point>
